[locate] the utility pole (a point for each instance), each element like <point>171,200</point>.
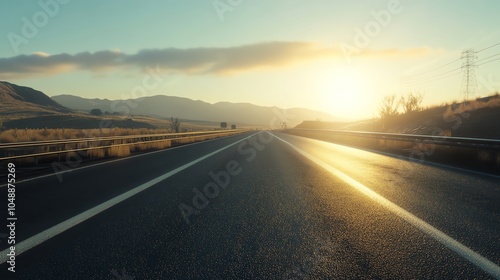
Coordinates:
<point>469,82</point>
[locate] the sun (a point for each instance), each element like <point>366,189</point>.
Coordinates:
<point>345,92</point>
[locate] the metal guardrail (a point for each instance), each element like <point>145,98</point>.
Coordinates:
<point>102,143</point>
<point>424,139</point>
<point>109,138</point>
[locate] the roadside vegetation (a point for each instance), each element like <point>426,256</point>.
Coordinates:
<point>26,135</point>
<point>175,124</point>
<point>392,105</point>
<point>101,148</point>
<point>475,118</point>
<point>457,108</point>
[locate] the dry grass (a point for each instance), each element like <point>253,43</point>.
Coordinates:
<point>119,151</point>
<point>469,106</point>
<point>107,148</point>
<point>157,145</point>
<point>96,153</point>
<point>25,135</point>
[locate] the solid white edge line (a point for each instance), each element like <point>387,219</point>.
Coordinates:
<point>47,234</point>
<point>406,158</point>
<point>114,160</point>
<point>486,265</point>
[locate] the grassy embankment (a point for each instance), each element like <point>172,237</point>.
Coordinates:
<point>28,135</point>
<point>476,118</point>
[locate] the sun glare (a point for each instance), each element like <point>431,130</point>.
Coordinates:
<point>345,92</point>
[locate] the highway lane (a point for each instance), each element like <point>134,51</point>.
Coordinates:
<point>460,202</point>
<point>280,216</point>
<point>47,201</point>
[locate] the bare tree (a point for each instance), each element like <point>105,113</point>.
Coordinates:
<point>389,107</point>
<point>412,102</point>
<point>175,124</point>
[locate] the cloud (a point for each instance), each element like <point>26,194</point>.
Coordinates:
<point>229,60</point>
<point>219,61</point>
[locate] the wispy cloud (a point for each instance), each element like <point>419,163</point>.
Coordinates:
<point>219,61</point>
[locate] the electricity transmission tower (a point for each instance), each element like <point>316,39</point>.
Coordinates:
<point>469,82</point>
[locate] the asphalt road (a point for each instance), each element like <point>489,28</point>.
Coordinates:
<point>257,208</point>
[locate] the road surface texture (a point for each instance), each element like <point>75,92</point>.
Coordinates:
<point>261,205</point>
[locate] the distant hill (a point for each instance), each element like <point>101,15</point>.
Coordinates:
<point>24,107</point>
<point>185,108</point>
<point>477,119</point>
<point>20,101</point>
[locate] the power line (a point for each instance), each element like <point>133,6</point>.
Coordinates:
<point>488,57</point>
<point>488,61</point>
<point>469,83</point>
<point>417,80</point>
<point>488,47</point>
<point>443,77</point>
<point>430,79</point>
<point>434,79</point>
<point>439,67</point>
<point>442,66</point>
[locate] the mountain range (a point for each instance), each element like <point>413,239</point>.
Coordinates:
<point>20,102</point>
<point>170,106</point>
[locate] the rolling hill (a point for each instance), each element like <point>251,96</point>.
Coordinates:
<point>19,101</point>
<point>184,108</point>
<point>475,118</point>
<point>24,107</point>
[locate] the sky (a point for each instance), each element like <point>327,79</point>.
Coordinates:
<point>340,57</point>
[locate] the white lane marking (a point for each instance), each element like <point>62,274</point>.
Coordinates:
<point>45,235</point>
<point>462,250</point>
<point>111,161</point>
